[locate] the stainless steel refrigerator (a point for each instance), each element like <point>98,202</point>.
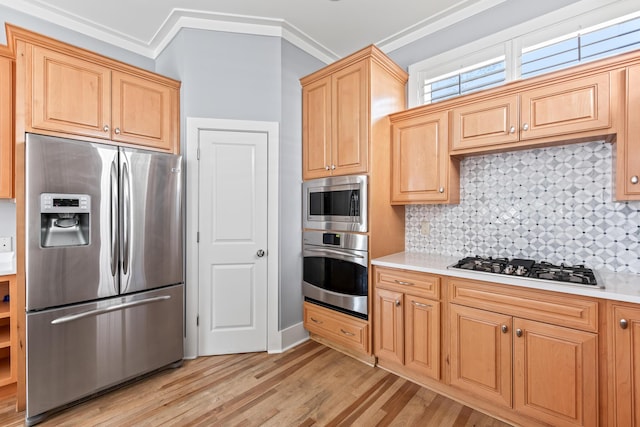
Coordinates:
<point>104,268</point>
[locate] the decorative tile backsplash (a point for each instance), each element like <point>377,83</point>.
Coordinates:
<point>553,204</point>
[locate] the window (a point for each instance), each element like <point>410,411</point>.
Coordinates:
<point>607,41</point>
<point>592,29</point>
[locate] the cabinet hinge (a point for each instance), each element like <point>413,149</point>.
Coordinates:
<point>198,153</point>
<point>198,237</point>
<point>198,320</point>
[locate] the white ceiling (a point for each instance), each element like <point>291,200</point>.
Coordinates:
<point>328,29</point>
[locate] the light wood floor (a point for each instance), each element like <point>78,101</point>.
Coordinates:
<point>310,385</point>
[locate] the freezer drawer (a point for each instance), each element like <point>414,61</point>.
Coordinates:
<point>73,352</point>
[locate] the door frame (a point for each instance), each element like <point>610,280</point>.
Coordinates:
<point>271,129</point>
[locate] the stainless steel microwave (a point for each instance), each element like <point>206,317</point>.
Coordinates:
<point>335,203</point>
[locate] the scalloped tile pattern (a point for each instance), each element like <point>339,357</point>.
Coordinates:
<point>553,204</point>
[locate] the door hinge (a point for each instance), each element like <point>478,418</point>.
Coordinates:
<point>198,320</point>
<point>198,153</point>
<point>198,237</point>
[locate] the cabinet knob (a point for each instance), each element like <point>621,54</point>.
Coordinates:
<point>327,168</point>
<point>397,303</point>
<point>333,167</point>
<point>623,323</point>
<point>525,126</point>
<point>401,282</point>
<point>441,189</point>
<point>504,329</point>
<point>634,179</point>
<point>512,129</point>
<point>316,321</point>
<point>105,128</point>
<point>117,131</point>
<point>260,253</point>
<point>518,332</point>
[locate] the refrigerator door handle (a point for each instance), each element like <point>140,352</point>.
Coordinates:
<point>72,317</point>
<point>126,214</point>
<point>114,218</point>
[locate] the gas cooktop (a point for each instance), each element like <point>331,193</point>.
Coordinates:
<point>527,268</point>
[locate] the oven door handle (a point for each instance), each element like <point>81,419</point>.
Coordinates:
<point>332,253</point>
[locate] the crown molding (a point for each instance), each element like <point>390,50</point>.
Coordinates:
<point>452,15</point>
<point>194,19</point>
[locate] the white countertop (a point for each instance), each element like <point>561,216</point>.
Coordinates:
<point>7,263</point>
<point>617,286</point>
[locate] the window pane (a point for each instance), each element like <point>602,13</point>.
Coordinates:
<point>465,82</point>
<point>611,40</point>
<point>551,57</point>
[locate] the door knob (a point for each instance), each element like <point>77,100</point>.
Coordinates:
<point>260,253</point>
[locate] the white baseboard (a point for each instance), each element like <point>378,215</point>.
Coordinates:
<point>291,337</point>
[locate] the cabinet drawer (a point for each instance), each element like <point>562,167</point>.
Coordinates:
<point>422,284</point>
<point>336,326</point>
<point>550,307</point>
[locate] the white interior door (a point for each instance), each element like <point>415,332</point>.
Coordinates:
<point>233,242</point>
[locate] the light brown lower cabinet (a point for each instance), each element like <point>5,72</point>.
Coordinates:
<point>407,322</point>
<point>347,331</point>
<point>624,353</point>
<point>551,371</point>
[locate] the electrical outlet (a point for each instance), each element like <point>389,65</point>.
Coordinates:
<point>425,228</point>
<point>5,244</point>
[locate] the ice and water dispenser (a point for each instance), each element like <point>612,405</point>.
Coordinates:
<point>64,219</point>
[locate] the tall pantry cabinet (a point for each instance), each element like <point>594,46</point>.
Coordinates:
<point>346,131</point>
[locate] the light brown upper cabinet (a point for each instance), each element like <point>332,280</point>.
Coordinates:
<point>6,127</point>
<point>342,108</point>
<point>76,93</point>
<point>628,147</point>
<point>546,110</point>
<point>421,169</point>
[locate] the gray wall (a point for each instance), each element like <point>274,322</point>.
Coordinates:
<point>295,64</point>
<point>248,77</point>
<point>498,18</point>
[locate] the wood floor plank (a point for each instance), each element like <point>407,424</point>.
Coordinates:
<point>310,385</point>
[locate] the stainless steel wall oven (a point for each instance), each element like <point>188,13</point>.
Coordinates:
<point>335,271</point>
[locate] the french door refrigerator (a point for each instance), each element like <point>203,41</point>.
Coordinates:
<point>104,268</point>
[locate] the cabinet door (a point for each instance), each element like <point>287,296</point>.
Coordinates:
<point>556,373</point>
<point>350,118</point>
<point>420,159</point>
<point>558,109</point>
<point>628,161</point>
<point>485,123</point>
<point>625,361</point>
<point>6,128</point>
<point>143,112</point>
<point>422,336</point>
<point>316,129</point>
<point>388,325</point>
<point>481,344</point>
<point>69,95</point>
